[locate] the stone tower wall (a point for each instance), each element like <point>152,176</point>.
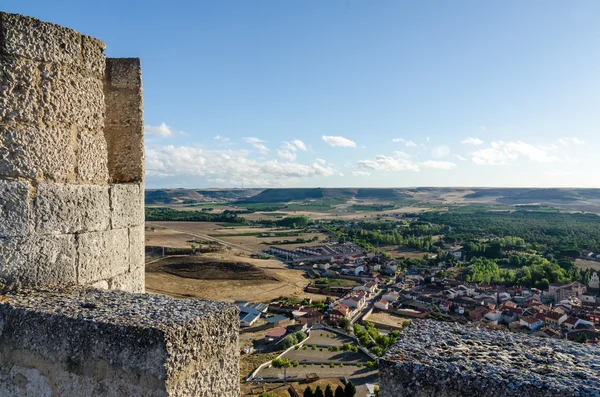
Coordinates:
<point>71,159</point>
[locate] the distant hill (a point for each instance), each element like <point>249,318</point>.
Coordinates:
<point>535,194</point>
<point>194,196</point>
<point>301,194</point>
<point>573,199</point>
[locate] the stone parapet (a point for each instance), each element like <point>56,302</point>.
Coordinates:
<point>451,360</point>
<point>71,159</point>
<point>82,342</point>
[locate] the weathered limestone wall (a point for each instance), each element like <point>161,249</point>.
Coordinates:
<point>450,360</point>
<point>82,342</point>
<point>71,159</point>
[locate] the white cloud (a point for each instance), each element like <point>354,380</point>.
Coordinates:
<point>440,151</point>
<point>439,165</point>
<point>253,140</point>
<point>360,173</point>
<point>461,158</point>
<point>566,141</point>
<point>222,139</point>
<point>338,141</point>
<point>427,139</point>
<point>321,161</point>
<point>472,141</point>
<point>257,144</point>
<point>299,144</point>
<point>227,166</point>
<point>387,163</point>
<point>501,153</point>
<point>406,143</point>
<point>162,130</point>
<point>286,154</point>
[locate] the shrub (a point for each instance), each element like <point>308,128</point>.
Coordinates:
<point>341,365</point>
<point>295,364</point>
<point>332,365</point>
<point>300,336</point>
<point>314,347</point>
<point>304,365</point>
<point>322,365</point>
<point>359,365</point>
<point>296,347</point>
<point>304,347</point>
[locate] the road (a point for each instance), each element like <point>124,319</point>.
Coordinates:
<point>370,303</point>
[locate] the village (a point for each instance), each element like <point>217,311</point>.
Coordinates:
<point>365,291</point>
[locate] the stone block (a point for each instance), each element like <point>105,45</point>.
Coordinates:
<point>102,255</point>
<point>36,260</point>
<point>40,153</point>
<point>127,205</point>
<point>20,99</point>
<point>137,247</point>
<point>124,73</point>
<point>34,39</point>
<point>87,342</point>
<point>14,208</point>
<point>68,97</point>
<point>125,154</point>
<point>124,109</point>
<point>64,208</point>
<point>131,281</point>
<point>124,120</point>
<point>93,55</point>
<point>450,360</point>
<point>92,159</point>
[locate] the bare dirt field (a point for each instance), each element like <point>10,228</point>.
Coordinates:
<point>396,252</point>
<point>180,235</point>
<point>587,264</point>
<point>274,281</point>
<point>386,319</point>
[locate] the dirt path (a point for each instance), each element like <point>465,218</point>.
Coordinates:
<point>207,237</point>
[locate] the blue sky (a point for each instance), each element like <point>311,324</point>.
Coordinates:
<point>358,93</point>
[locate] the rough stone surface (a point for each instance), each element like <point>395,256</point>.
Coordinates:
<point>14,208</point>
<point>44,155</point>
<point>38,259</point>
<point>451,360</point>
<point>92,163</point>
<point>131,281</point>
<point>34,39</point>
<point>102,255</point>
<point>124,120</point>
<point>64,208</point>
<point>90,343</point>
<point>70,97</point>
<point>137,247</point>
<point>127,205</point>
<point>93,55</point>
<point>124,73</point>
<point>20,99</point>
